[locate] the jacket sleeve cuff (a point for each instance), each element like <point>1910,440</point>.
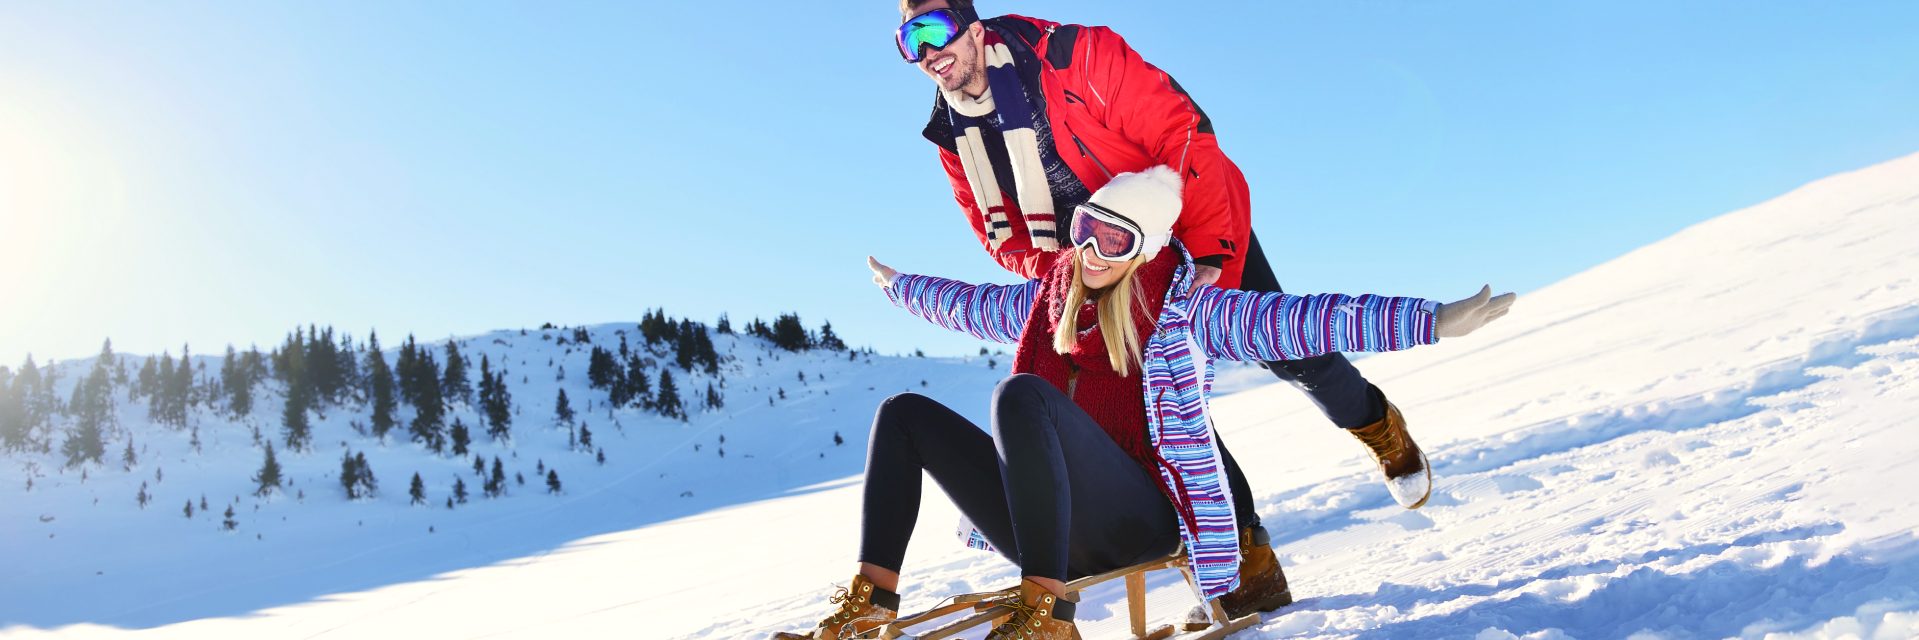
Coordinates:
<point>1215,261</point>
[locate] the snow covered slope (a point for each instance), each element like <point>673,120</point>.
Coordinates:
<point>83,551</point>
<point>1708,437</point>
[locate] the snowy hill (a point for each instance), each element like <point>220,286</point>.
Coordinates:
<point>1708,437</point>
<point>84,551</point>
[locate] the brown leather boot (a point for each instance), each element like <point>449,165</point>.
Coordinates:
<point>1408,477</point>
<point>1037,615</point>
<point>1262,585</point>
<point>864,608</point>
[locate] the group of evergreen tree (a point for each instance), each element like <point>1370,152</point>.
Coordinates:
<point>169,389</point>
<point>788,333</point>
<point>27,406</point>
<point>418,375</point>
<point>93,411</point>
<point>356,477</point>
<point>239,373</point>
<point>496,403</point>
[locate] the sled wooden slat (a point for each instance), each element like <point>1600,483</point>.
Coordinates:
<point>1221,632</point>
<point>1135,577</point>
<point>965,623</point>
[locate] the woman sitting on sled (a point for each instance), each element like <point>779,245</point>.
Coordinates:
<point>1102,453</point>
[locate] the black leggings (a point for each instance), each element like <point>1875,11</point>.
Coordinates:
<point>1330,380</point>
<point>1048,488</point>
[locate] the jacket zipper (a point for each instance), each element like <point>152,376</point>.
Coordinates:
<point>1088,153</point>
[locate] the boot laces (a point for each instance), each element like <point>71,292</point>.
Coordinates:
<point>848,607</point>
<point>1383,445</point>
<point>1014,627</point>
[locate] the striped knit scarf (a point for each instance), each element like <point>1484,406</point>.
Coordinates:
<point>1022,149</point>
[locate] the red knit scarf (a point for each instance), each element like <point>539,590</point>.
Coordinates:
<point>1117,403</point>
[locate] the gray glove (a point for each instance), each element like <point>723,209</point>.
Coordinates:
<point>1460,318</point>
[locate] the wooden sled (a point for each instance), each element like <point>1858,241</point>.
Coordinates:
<point>984,611</point>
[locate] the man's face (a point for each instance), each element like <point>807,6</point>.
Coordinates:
<point>960,65</point>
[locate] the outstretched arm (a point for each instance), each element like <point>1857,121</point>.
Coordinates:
<point>985,311</point>
<point>1242,325</point>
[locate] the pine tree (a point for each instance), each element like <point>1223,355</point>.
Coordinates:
<point>687,349</point>
<point>147,379</point>
<point>453,383</point>
<point>459,490</point>
<point>229,523</point>
<point>479,466</point>
<point>586,436</point>
<point>552,481</point>
<point>830,340</point>
<point>92,408</point>
<point>293,418</point>
<point>416,491</point>
<point>704,353</point>
<point>713,399</point>
<point>143,497</point>
<point>369,485</point>
<point>429,410</point>
<point>789,334</point>
<point>407,368</point>
<point>496,485</point>
<point>562,411</point>
<point>639,389</point>
<point>379,384</point>
<point>497,402</point>
<point>350,475</point>
<point>189,510</point>
<point>667,400</point>
<point>724,326</point>
<point>127,457</point>
<point>268,478</point>
<point>459,436</point>
<point>238,384</point>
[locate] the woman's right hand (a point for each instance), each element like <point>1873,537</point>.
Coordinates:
<point>882,274</point>
<point>1460,318</point>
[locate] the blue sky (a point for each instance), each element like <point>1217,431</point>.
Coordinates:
<point>215,172</point>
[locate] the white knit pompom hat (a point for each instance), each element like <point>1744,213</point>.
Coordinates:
<point>1150,198</point>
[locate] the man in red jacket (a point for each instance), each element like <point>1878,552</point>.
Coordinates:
<point>1033,116</point>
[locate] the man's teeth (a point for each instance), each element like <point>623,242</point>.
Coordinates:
<point>943,64</point>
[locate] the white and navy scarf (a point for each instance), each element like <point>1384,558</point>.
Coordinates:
<point>1024,149</point>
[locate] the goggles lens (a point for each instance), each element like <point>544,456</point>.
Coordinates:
<point>936,28</point>
<point>1113,237</point>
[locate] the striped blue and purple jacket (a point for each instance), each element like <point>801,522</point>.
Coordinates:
<point>1194,329</point>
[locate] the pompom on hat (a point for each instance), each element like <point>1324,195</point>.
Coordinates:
<point>1149,198</point>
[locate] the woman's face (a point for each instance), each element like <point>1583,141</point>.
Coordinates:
<point>1097,273</point>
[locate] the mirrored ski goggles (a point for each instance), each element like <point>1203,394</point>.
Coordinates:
<point>936,29</point>
<point>1114,237</point>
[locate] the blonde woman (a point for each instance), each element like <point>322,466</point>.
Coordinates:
<point>1101,452</point>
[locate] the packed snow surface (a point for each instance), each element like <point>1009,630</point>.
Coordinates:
<point>1708,437</point>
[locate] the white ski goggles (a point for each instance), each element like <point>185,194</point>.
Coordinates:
<point>1110,235</point>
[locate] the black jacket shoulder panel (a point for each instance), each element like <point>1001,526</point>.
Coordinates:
<point>1205,121</point>
<point>939,126</point>
<point>1059,50</point>
<point>1027,31</point>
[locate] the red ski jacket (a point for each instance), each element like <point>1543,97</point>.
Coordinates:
<point>1112,112</point>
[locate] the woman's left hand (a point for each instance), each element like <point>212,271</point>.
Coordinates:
<point>882,274</point>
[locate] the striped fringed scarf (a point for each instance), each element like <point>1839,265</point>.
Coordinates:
<point>1022,148</point>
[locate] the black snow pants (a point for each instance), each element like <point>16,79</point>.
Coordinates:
<point>1330,380</point>
<point>1048,488</point>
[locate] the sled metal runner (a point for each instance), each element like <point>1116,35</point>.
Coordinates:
<point>986,610</point>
